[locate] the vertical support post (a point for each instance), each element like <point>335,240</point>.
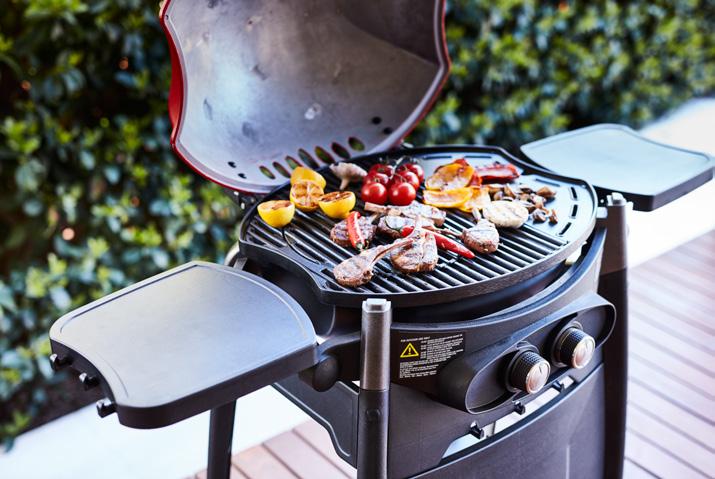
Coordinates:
<point>220,438</point>
<point>374,396</point>
<point>613,286</point>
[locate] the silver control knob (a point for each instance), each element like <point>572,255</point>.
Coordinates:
<point>529,372</point>
<point>574,348</point>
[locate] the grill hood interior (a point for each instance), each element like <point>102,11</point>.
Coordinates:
<point>259,86</point>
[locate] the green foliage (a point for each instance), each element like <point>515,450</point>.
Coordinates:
<point>523,70</point>
<point>92,199</point>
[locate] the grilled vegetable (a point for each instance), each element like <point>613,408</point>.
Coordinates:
<point>337,204</point>
<point>354,232</point>
<point>450,177</point>
<point>447,199</point>
<point>348,173</point>
<point>497,172</point>
<point>276,213</point>
<point>480,198</point>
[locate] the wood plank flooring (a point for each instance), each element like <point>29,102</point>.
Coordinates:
<point>671,392</point>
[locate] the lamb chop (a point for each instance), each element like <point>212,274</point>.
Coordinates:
<point>339,233</point>
<point>418,255</point>
<point>410,211</point>
<point>357,270</point>
<point>483,238</point>
<point>393,225</point>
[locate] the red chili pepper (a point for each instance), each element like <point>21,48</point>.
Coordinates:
<point>442,241</point>
<point>497,172</point>
<point>354,232</point>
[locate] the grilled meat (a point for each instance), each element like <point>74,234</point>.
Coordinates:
<point>391,225</point>
<point>357,270</point>
<point>339,233</point>
<point>411,211</point>
<point>506,214</point>
<point>483,238</point>
<point>417,256</point>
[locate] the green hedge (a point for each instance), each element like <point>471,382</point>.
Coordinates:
<point>92,199</point>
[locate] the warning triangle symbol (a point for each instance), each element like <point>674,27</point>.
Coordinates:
<point>409,352</point>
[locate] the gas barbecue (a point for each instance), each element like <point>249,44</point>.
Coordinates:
<point>416,374</point>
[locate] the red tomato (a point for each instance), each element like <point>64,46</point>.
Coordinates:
<point>374,193</point>
<point>407,177</point>
<point>416,169</point>
<point>402,194</point>
<point>375,177</point>
<point>380,168</point>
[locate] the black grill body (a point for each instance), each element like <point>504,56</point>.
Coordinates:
<point>468,393</point>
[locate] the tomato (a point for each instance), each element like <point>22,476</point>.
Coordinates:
<point>374,192</point>
<point>376,177</point>
<point>402,194</point>
<point>380,168</point>
<point>416,169</point>
<point>406,177</point>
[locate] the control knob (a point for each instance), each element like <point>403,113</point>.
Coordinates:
<point>529,372</point>
<point>574,348</point>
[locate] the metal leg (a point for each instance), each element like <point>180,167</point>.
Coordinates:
<point>613,286</point>
<point>220,436</point>
<point>374,396</point>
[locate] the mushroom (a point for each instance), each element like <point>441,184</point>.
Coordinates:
<point>348,173</point>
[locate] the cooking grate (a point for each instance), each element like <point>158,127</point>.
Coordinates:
<point>304,246</point>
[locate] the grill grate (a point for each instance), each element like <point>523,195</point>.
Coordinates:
<point>304,246</point>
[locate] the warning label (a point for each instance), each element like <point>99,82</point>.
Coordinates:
<point>409,352</point>
<point>421,357</point>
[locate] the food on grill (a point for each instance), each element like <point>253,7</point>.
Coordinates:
<point>277,213</point>
<point>305,194</point>
<point>553,219</point>
<point>406,177</point>
<point>417,256</point>
<point>450,177</point>
<point>506,214</point>
<point>374,193</point>
<point>539,216</point>
<point>348,173</point>
<point>401,194</point>
<point>337,204</point>
<point>393,225</point>
<point>447,199</point>
<point>483,238</point>
<point>413,167</point>
<point>497,172</point>
<point>410,211</point>
<point>546,192</point>
<point>301,173</point>
<point>357,270</point>
<point>354,233</point>
<point>339,233</point>
<point>480,197</point>
<point>442,241</point>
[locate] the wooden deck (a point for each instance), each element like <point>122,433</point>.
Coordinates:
<point>671,390</point>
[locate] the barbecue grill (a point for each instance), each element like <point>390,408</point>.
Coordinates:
<point>416,375</point>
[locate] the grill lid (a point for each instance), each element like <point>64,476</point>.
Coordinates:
<point>258,87</point>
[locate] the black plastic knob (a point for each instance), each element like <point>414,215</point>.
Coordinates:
<point>529,372</point>
<point>59,362</point>
<point>105,407</point>
<point>88,382</point>
<point>574,348</point>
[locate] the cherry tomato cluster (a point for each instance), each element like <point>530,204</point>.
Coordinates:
<point>399,185</point>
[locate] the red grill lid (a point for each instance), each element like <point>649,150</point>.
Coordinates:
<point>259,87</point>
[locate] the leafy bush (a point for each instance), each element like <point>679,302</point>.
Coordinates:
<point>92,199</point>
<point>523,70</point>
